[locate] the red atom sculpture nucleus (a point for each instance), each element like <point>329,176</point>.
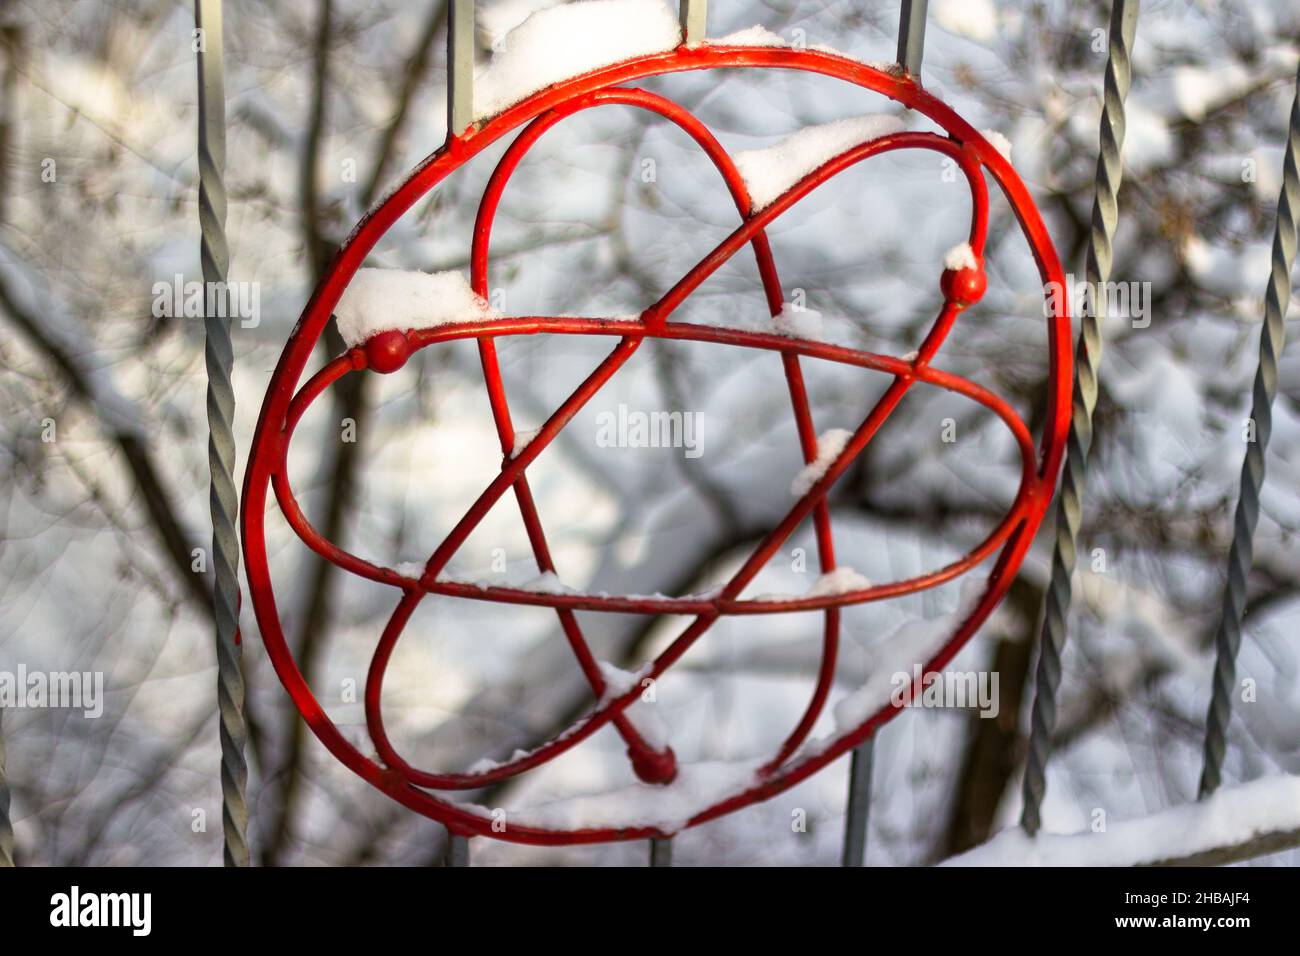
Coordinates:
<point>386,352</point>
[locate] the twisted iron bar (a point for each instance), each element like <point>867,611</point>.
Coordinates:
<point>1087,360</point>
<point>1272,338</point>
<point>224,499</point>
<point>6,827</point>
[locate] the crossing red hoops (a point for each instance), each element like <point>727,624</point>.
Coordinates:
<point>285,403</point>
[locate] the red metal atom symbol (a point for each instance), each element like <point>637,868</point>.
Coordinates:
<point>960,286</point>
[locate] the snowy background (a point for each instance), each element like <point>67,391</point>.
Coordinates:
<point>330,104</point>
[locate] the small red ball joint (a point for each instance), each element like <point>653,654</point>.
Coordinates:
<point>387,351</point>
<point>964,286</point>
<point>654,766</point>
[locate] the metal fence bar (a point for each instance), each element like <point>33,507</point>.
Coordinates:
<point>695,17</point>
<point>224,498</point>
<point>460,66</point>
<point>661,852</point>
<point>457,851</point>
<point>911,35</point>
<point>912,17</point>
<point>858,816</point>
<point>6,827</point>
<point>1271,340</point>
<point>1087,359</point>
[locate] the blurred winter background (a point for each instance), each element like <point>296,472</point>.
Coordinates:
<point>330,103</point>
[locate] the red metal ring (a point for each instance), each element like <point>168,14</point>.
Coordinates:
<point>283,408</point>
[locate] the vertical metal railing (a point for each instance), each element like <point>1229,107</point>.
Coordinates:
<point>695,17</point>
<point>6,826</point>
<point>460,66</point>
<point>661,852</point>
<point>911,35</point>
<point>224,498</point>
<point>1087,360</point>
<point>460,117</point>
<point>912,21</point>
<point>456,853</point>
<point>1271,339</point>
<point>858,817</point>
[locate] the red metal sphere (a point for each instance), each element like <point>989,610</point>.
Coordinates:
<point>796,758</point>
<point>653,766</point>
<point>963,286</point>
<point>387,351</point>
